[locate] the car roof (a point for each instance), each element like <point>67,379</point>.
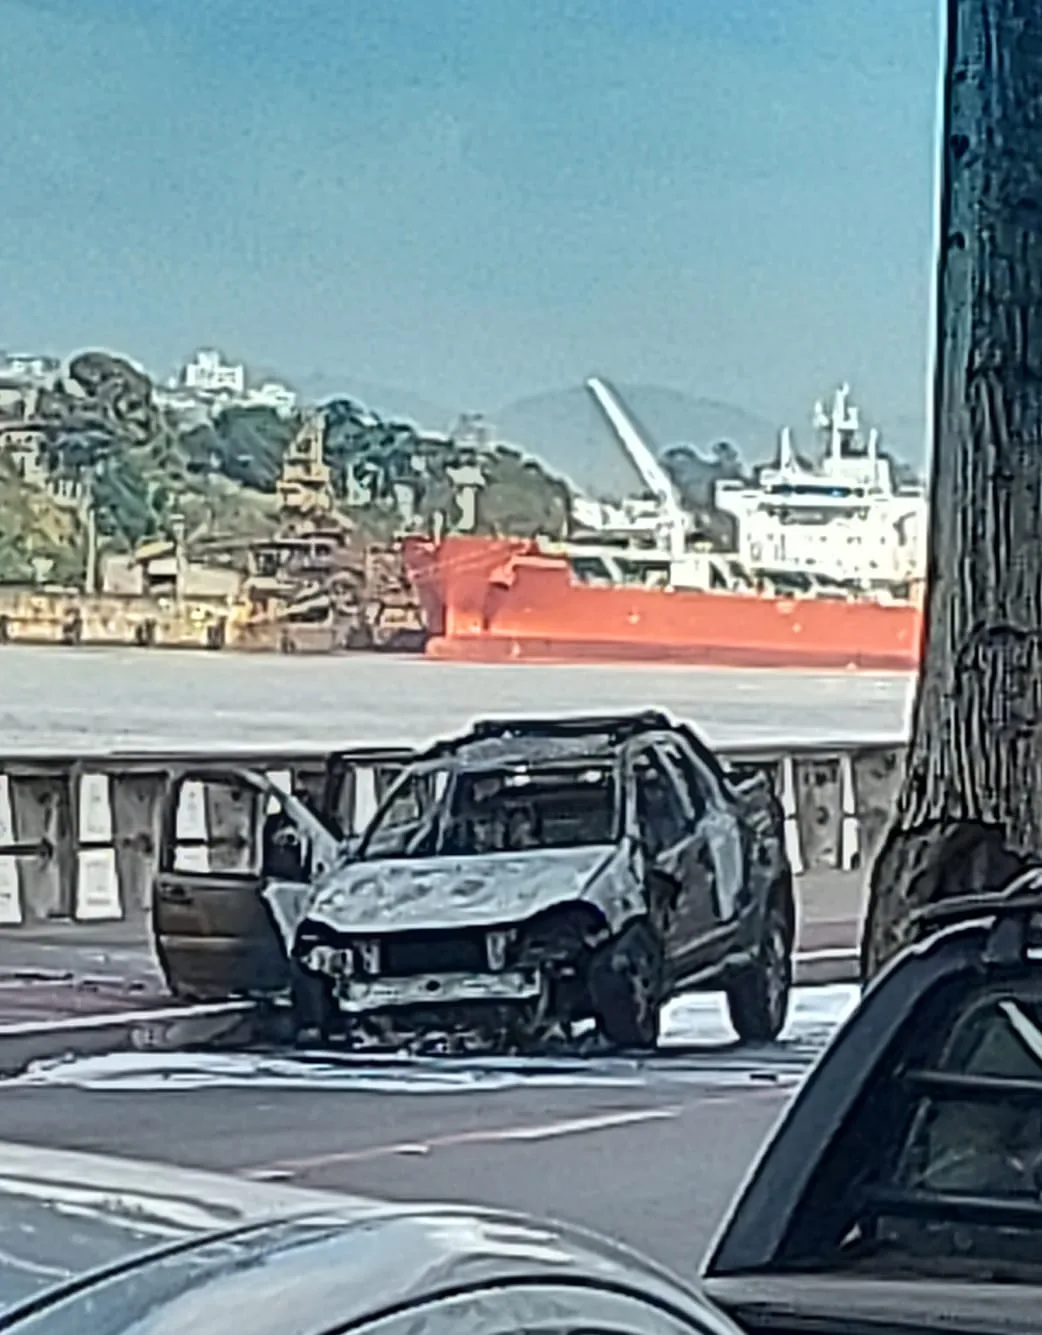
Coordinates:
<point>326,1269</point>
<point>565,738</point>
<point>491,752</point>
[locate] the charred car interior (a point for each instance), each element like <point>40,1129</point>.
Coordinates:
<point>520,883</point>
<point>906,1177</point>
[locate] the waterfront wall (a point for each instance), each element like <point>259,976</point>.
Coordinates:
<point>79,833</point>
<point>56,618</point>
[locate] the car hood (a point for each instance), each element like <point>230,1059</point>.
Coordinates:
<point>399,894</point>
<point>64,1213</point>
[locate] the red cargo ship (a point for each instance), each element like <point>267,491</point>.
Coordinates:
<point>670,601</point>
<point>491,600</point>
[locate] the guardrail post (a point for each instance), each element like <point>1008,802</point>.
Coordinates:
<point>850,830</point>
<point>818,810</point>
<point>97,882</point>
<point>791,814</point>
<point>11,912</point>
<point>137,807</point>
<point>877,775</point>
<point>43,813</point>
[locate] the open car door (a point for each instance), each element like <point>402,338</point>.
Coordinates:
<point>226,838</point>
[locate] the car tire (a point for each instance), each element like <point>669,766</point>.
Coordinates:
<point>758,999</point>
<point>626,988</point>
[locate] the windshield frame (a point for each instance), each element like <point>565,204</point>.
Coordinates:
<point>455,768</point>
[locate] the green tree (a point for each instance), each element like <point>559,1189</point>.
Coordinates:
<point>243,443</point>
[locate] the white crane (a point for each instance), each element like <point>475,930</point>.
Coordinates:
<point>675,520</point>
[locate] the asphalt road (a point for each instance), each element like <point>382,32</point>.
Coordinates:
<point>653,1166</point>
<point>646,1149</point>
<point>649,1151</point>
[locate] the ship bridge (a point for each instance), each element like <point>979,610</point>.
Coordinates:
<point>842,518</point>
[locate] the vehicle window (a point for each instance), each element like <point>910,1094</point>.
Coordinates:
<point>660,814</point>
<point>533,1309</point>
<point>526,807</point>
<point>216,828</point>
<point>950,1168</point>
<point>285,855</point>
<point>386,777</point>
<point>988,1147</point>
<point>405,824</point>
<point>696,781</point>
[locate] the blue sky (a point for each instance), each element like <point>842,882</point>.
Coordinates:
<point>480,199</point>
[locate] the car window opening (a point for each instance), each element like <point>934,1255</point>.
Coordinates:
<point>489,811</point>
<point>513,811</point>
<point>961,1190</point>
<point>659,811</point>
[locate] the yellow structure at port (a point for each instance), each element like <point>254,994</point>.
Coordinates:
<point>43,616</point>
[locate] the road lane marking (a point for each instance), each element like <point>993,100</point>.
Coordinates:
<point>488,1136</point>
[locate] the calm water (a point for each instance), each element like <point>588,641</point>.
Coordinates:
<point>92,699</point>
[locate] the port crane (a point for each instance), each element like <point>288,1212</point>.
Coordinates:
<point>675,521</point>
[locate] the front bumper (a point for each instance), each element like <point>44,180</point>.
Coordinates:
<point>359,996</point>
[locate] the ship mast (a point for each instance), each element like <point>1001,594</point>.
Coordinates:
<point>840,422</point>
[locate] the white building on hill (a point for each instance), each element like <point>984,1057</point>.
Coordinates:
<point>209,373</point>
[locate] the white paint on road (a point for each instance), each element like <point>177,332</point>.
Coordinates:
<point>571,1126</point>
<point>699,1047</point>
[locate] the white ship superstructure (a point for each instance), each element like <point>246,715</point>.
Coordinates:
<point>843,519</point>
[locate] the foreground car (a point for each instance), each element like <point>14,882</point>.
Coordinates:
<point>902,1190</point>
<point>531,875</point>
<point>172,1252</point>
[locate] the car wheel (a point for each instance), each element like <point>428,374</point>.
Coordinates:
<point>758,999</point>
<point>626,988</point>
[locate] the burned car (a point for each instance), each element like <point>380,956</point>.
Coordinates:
<point>529,876</point>
<point>902,1189</point>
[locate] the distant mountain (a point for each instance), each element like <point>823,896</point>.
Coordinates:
<point>386,400</point>
<point>565,428</point>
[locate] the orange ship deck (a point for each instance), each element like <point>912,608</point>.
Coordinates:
<point>489,600</point>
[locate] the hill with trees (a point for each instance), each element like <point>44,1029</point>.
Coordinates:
<point>142,469</point>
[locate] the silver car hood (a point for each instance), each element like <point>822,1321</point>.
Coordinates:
<point>416,894</point>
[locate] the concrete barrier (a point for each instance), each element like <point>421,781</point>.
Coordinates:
<point>79,833</point>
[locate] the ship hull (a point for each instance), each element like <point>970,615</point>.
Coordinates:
<point>497,601</point>
<point>501,648</point>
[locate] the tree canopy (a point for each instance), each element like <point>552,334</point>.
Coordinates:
<point>106,435</point>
